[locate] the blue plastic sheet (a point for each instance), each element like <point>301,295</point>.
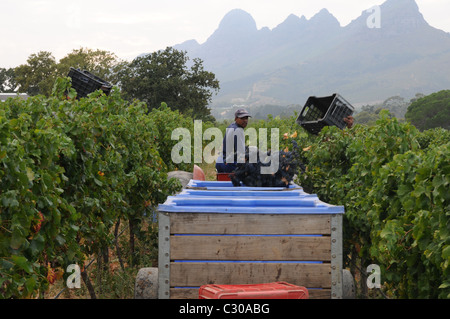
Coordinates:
<point>223,197</point>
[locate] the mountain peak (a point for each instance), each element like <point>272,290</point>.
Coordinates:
<point>401,16</point>
<point>324,17</point>
<point>401,9</point>
<point>402,3</point>
<point>292,18</point>
<point>235,25</point>
<point>395,17</point>
<point>291,23</point>
<point>323,13</point>
<point>237,20</point>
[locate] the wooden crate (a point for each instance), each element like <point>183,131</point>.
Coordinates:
<point>212,233</point>
<point>197,249</point>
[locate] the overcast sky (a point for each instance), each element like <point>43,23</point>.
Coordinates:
<point>129,28</point>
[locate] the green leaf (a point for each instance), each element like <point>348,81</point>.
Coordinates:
<point>61,241</point>
<point>444,285</point>
<point>72,94</point>
<point>48,181</point>
<point>37,244</point>
<point>22,263</point>
<point>5,264</point>
<point>17,239</point>
<point>98,182</point>
<point>10,201</point>
<point>23,178</point>
<point>409,204</point>
<point>30,174</point>
<point>446,252</point>
<point>30,284</point>
<point>404,190</point>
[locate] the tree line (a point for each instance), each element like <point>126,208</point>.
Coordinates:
<point>164,76</point>
<point>423,111</point>
<point>170,76</point>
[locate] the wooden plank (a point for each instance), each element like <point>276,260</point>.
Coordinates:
<point>319,293</point>
<point>193,274</point>
<point>250,248</point>
<point>192,293</point>
<point>196,223</point>
<point>184,293</point>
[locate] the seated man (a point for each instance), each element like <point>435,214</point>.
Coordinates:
<point>233,143</point>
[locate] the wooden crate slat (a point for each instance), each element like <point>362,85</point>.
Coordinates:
<point>250,248</point>
<point>192,274</point>
<point>195,223</point>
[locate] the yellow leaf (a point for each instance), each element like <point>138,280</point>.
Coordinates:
<point>59,272</point>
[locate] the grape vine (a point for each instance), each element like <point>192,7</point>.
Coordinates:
<point>69,169</point>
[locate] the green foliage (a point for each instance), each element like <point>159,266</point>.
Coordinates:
<point>393,181</point>
<point>102,63</point>
<point>166,122</point>
<point>38,75</point>
<point>164,76</point>
<point>161,77</point>
<point>7,82</point>
<point>395,105</point>
<point>68,170</point>
<point>430,111</point>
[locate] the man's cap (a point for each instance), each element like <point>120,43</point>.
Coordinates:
<point>242,113</point>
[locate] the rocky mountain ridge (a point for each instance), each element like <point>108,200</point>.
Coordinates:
<point>364,62</point>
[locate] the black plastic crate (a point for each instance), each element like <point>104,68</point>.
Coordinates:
<point>319,112</point>
<point>85,82</point>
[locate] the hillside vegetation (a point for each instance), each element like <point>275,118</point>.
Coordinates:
<point>71,170</point>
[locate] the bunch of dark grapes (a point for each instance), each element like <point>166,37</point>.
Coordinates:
<point>249,174</point>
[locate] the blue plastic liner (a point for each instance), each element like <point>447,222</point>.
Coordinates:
<point>223,197</point>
